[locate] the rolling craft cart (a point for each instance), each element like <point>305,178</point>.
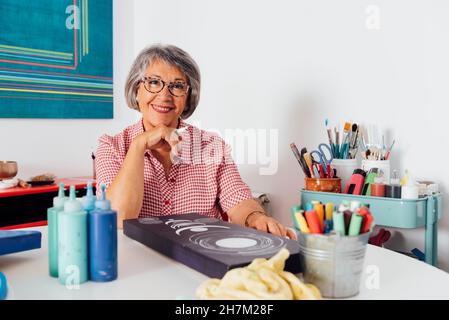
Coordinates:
<point>397,213</point>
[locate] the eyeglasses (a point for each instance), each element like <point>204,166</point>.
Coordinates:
<point>155,85</point>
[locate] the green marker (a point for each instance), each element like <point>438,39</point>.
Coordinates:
<point>339,223</point>
<point>355,225</point>
<point>369,180</point>
<point>294,210</point>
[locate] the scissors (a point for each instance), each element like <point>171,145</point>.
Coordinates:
<point>324,161</point>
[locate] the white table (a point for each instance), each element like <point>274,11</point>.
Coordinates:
<point>146,274</point>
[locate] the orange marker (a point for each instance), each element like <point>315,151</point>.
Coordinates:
<point>313,222</point>
<point>319,209</point>
<point>367,222</point>
<point>363,211</point>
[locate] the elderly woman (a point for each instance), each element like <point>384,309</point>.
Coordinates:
<point>147,167</point>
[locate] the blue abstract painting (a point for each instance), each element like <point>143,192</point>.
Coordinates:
<point>56,59</point>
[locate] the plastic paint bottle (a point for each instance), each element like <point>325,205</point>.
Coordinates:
<point>103,240</point>
<point>410,190</point>
<point>395,178</point>
<point>52,218</point>
<point>378,188</point>
<point>88,201</point>
<point>393,190</point>
<point>73,242</point>
<point>3,287</point>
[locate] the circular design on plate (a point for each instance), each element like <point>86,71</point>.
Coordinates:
<point>213,241</point>
<point>236,243</point>
<point>149,220</point>
<point>198,229</point>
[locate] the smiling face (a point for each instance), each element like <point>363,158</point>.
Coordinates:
<point>162,107</point>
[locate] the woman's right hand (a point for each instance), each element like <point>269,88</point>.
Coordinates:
<point>159,138</point>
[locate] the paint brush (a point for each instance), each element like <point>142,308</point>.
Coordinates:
<point>309,162</point>
<point>329,135</point>
<point>362,138</point>
<point>300,160</point>
<point>389,150</point>
<point>337,143</point>
<point>353,143</point>
<point>345,142</point>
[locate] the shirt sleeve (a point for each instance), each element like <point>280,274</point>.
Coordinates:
<point>231,188</point>
<point>107,163</point>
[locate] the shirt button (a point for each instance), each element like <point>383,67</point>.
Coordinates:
<point>172,180</point>
<point>167,202</point>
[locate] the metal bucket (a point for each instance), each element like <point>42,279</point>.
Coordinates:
<point>333,263</point>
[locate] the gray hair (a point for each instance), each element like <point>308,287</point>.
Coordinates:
<point>173,56</point>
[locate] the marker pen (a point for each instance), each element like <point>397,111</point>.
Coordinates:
<point>355,225</point>
<point>308,207</point>
<point>313,222</point>
<point>339,223</point>
<point>329,210</point>
<point>319,209</point>
<point>368,221</point>
<point>303,227</point>
<point>295,209</point>
<point>347,215</point>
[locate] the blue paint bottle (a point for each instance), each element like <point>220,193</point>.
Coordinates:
<point>103,240</point>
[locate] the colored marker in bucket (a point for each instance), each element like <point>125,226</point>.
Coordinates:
<point>350,219</point>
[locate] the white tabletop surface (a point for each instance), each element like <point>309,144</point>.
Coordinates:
<point>146,274</point>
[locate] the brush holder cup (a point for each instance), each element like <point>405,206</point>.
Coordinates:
<point>323,184</point>
<point>345,168</point>
<point>383,165</point>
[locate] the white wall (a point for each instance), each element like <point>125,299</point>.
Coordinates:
<point>288,65</point>
<point>63,147</point>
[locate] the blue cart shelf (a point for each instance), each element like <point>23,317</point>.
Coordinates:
<point>398,213</point>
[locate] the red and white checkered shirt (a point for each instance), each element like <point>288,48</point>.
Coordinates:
<point>205,181</point>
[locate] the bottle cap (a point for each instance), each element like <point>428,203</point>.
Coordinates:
<point>103,203</point>
<point>88,201</point>
<point>360,171</point>
<point>58,202</point>
<point>72,205</point>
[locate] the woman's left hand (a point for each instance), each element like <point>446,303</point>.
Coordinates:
<point>262,222</point>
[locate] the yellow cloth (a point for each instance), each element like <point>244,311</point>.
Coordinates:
<point>262,279</point>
